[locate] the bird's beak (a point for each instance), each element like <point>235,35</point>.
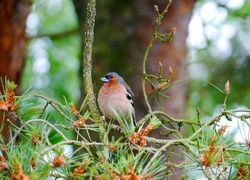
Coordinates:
<point>103,79</point>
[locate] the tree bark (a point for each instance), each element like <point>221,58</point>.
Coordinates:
<point>13,14</point>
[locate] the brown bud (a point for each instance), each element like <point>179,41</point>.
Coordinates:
<point>203,160</point>
<point>143,141</point>
<point>242,172</point>
<point>73,110</point>
<point>156,8</point>
<point>222,130</point>
<point>159,86</point>
<point>3,163</point>
<point>227,88</point>
<point>34,139</point>
<point>58,161</point>
<point>170,69</point>
<point>23,176</point>
<point>102,118</point>
<point>173,29</point>
<point>79,170</point>
<point>80,122</point>
<point>112,147</point>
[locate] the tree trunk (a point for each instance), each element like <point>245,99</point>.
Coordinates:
<point>13,14</point>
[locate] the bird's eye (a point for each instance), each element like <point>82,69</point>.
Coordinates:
<point>109,77</point>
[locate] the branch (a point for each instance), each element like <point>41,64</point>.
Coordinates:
<point>87,77</point>
<point>87,58</point>
<point>154,36</point>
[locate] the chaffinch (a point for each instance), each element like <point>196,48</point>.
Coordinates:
<point>115,98</point>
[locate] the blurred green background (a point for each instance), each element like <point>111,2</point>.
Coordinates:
<point>220,53</point>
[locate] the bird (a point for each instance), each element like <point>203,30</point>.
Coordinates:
<point>115,99</point>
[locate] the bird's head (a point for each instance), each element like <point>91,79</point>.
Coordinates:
<point>112,77</point>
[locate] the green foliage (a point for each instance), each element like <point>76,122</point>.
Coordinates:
<point>24,159</point>
<point>37,155</point>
